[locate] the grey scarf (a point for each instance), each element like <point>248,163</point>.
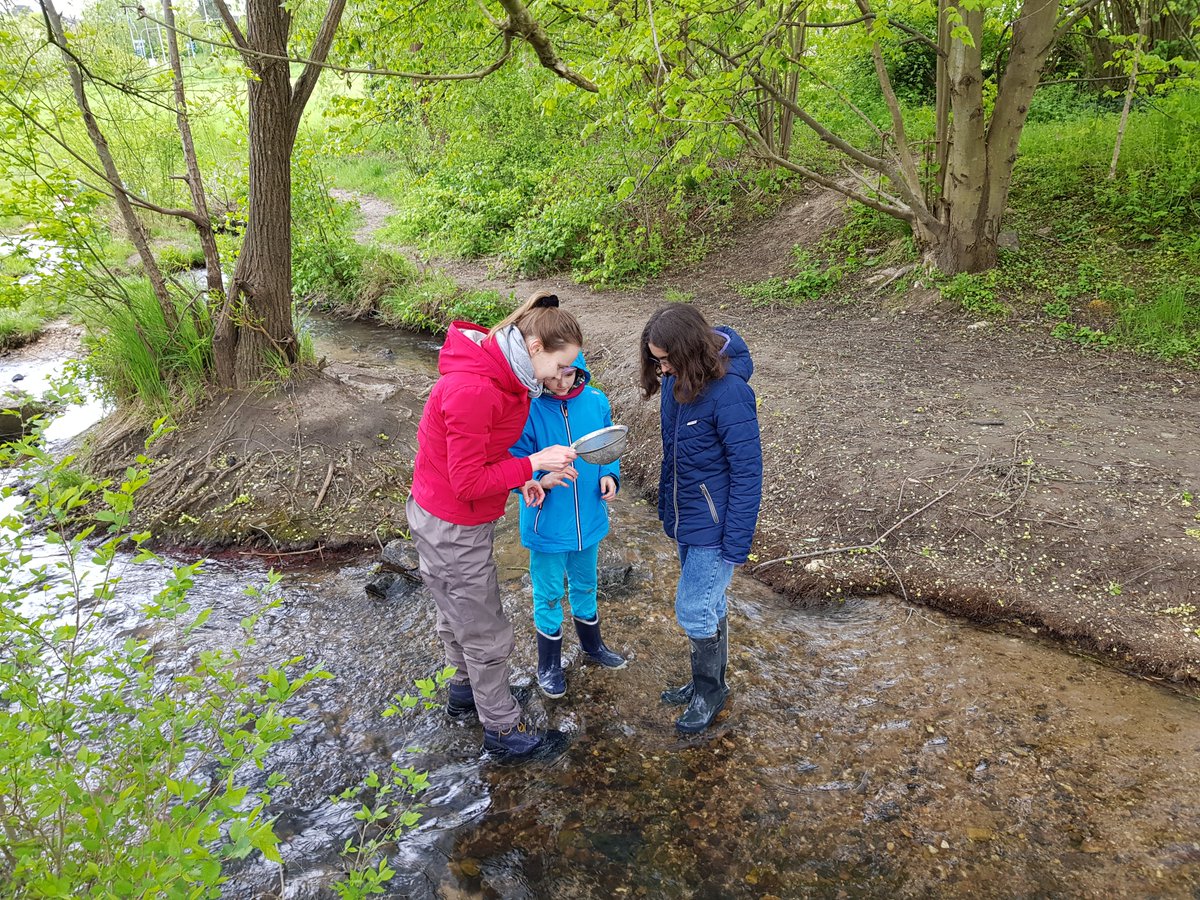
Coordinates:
<point>512,344</point>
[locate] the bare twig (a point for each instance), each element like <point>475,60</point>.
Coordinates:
<point>875,543</point>
<point>324,487</point>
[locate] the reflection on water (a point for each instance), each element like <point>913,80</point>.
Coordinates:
<point>867,749</point>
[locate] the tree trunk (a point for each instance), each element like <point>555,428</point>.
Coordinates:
<point>254,335</point>
<point>964,246</point>
<point>195,181</point>
<point>255,330</point>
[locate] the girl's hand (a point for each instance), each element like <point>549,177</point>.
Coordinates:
<point>554,479</point>
<point>608,488</point>
<point>532,493</point>
<point>553,459</point>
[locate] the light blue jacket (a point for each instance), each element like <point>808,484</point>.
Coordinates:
<point>572,516</point>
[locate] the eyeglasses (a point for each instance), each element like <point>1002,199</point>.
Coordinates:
<point>568,372</point>
<point>658,362</point>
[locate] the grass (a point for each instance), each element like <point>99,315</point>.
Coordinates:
<point>136,357</point>
<point>431,303</point>
<point>370,173</point>
<point>20,325</point>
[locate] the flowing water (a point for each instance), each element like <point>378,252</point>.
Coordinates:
<point>868,748</point>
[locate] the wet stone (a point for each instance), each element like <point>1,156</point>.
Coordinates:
<point>401,556</point>
<point>613,577</point>
<point>390,586</point>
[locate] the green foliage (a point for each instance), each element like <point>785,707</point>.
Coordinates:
<point>975,293</point>
<point>386,803</point>
<point>116,779</point>
<point>326,260</point>
<point>1082,335</point>
<point>1167,325</point>
<point>812,280</point>
<point>433,301</point>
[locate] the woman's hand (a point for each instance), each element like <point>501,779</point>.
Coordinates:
<point>554,479</point>
<point>553,459</point>
<point>608,489</point>
<point>532,493</point>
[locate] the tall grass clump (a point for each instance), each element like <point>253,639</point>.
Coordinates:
<point>1166,325</point>
<point>134,356</point>
<point>431,303</point>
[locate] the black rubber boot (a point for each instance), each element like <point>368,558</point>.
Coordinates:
<point>593,644</point>
<point>550,678</point>
<point>708,693</point>
<point>679,696</point>
<point>461,702</point>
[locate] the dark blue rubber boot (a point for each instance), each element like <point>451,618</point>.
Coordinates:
<point>682,695</point>
<point>523,742</point>
<point>550,678</point>
<point>593,644</point>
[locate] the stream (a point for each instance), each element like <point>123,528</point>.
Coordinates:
<point>869,748</point>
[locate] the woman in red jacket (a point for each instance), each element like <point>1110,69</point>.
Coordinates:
<point>462,477</point>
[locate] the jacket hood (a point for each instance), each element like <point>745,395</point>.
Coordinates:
<point>736,352</point>
<point>580,382</point>
<point>468,349</point>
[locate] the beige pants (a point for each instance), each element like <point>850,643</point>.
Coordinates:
<point>458,569</point>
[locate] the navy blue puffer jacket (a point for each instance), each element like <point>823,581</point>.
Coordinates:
<point>711,483</point>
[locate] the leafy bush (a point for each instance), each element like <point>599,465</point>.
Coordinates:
<point>115,779</point>
<point>431,303</point>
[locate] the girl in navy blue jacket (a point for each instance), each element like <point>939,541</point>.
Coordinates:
<point>569,516</point>
<point>710,487</point>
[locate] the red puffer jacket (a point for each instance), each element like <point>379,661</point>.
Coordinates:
<point>476,411</point>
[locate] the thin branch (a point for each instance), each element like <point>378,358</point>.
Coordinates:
<point>879,540</point>
<point>654,34</point>
<point>350,70</point>
<point>522,23</point>
<point>917,35</point>
<point>304,85</point>
<point>764,152</point>
<point>1071,21</point>
<point>113,186</point>
<point>908,165</point>
<point>239,39</point>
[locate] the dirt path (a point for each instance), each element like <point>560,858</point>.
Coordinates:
<point>986,470</point>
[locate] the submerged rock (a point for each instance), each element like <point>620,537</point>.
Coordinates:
<point>391,586</point>
<point>400,556</point>
<point>17,412</point>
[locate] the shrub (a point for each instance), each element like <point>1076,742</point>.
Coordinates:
<point>116,779</point>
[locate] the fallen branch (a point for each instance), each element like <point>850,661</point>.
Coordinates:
<point>875,543</point>
<point>324,487</point>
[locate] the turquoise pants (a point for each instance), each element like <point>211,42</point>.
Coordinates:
<point>547,571</point>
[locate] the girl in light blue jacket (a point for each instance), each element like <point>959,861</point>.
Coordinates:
<point>563,531</point>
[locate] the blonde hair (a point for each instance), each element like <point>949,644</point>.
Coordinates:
<point>554,327</point>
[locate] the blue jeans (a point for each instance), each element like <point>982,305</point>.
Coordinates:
<point>547,570</point>
<point>700,598</point>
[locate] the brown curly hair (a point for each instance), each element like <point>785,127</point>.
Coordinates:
<point>693,347</point>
